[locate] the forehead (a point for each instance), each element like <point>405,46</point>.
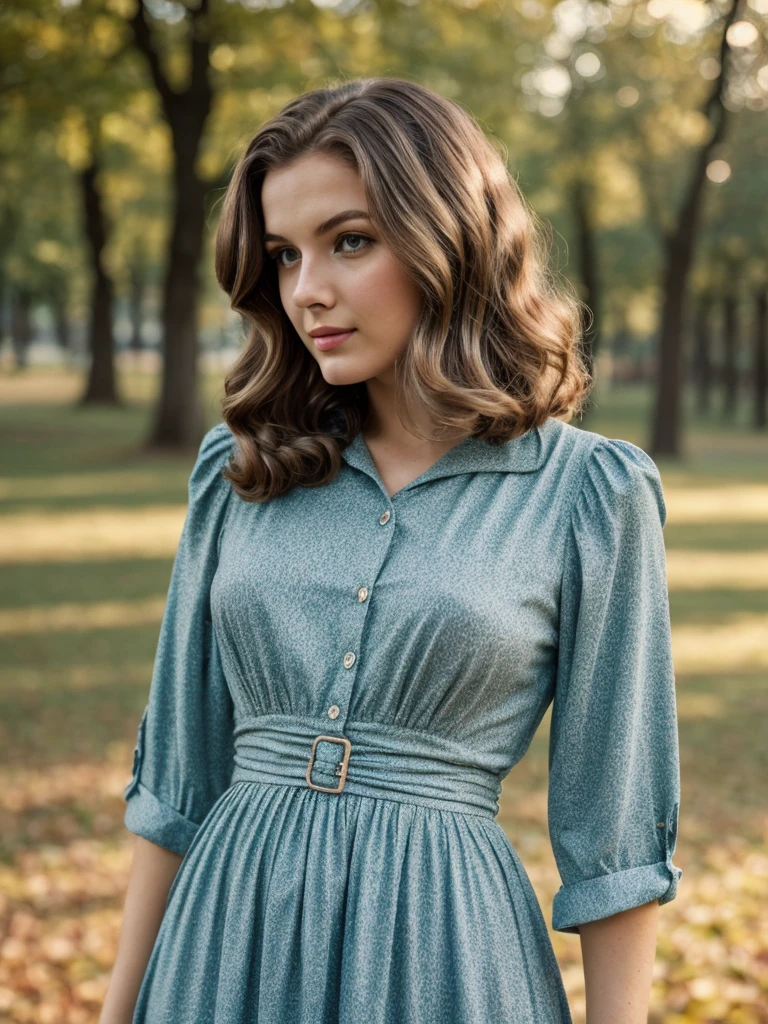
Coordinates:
<point>309,189</point>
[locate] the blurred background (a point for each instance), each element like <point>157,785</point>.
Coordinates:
<point>637,129</point>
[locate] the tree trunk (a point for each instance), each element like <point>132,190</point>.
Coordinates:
<point>101,388</point>
<point>730,371</point>
<point>585,240</point>
<point>179,417</point>
<point>21,325</point>
<point>621,350</point>
<point>138,287</point>
<point>760,360</point>
<point>701,371</point>
<point>667,416</point>
<point>61,323</point>
<point>679,243</point>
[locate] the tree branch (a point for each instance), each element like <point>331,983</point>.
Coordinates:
<point>143,38</point>
<point>200,50</point>
<point>716,114</point>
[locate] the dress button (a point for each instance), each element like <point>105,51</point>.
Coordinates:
<point>333,711</point>
<point>349,659</point>
<point>362,593</point>
<point>384,517</point>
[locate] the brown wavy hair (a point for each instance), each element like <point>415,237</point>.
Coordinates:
<point>496,350</point>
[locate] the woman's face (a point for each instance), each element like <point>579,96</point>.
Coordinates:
<point>334,269</point>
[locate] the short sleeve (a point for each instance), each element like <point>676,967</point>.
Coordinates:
<point>184,754</point>
<point>614,777</point>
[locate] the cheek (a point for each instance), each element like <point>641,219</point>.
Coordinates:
<point>385,295</point>
<point>286,296</point>
<point>294,313</point>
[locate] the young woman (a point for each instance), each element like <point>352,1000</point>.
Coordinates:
<point>397,554</point>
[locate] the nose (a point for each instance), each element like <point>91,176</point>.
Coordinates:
<point>313,284</point>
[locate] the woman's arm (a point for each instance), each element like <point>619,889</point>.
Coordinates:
<point>618,953</point>
<point>152,873</point>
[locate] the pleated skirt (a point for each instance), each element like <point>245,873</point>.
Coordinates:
<point>293,906</point>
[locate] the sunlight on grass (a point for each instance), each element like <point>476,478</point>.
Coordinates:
<point>97,533</point>
<point>739,642</point>
<point>75,677</point>
<point>40,385</point>
<point>101,615</point>
<point>76,485</point>
<point>732,504</point>
<point>52,386</point>
<point>700,705</point>
<point>699,570</point>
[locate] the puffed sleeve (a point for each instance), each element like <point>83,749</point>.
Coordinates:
<point>614,776</point>
<point>184,753</point>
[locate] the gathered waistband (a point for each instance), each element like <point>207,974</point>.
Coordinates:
<point>383,761</point>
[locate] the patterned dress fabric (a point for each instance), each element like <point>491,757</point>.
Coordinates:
<point>425,634</point>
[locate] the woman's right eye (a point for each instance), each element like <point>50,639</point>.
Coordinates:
<point>276,254</point>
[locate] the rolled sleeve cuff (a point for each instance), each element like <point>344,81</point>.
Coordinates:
<point>600,897</point>
<point>158,822</point>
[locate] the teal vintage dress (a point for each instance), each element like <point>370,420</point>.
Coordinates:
<point>426,634</point>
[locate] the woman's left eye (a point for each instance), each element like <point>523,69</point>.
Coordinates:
<point>364,238</point>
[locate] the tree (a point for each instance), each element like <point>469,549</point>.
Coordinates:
<point>760,360</point>
<point>179,418</point>
<point>101,387</point>
<point>678,254</point>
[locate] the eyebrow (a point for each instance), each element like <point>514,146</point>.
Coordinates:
<point>327,225</point>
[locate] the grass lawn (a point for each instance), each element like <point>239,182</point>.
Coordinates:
<point>88,531</point>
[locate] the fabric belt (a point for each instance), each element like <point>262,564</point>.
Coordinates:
<point>367,759</point>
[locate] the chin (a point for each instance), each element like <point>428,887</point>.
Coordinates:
<point>341,372</point>
<point>339,377</point>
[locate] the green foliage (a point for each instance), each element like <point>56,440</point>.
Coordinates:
<point>609,95</point>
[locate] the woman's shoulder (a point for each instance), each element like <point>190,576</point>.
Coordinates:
<point>206,479</point>
<point>608,471</point>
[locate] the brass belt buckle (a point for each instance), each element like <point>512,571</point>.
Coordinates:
<point>347,744</point>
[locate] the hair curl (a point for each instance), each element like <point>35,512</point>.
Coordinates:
<point>496,350</point>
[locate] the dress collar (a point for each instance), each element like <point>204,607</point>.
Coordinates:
<point>523,454</point>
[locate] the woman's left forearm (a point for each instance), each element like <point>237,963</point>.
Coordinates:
<point>618,954</point>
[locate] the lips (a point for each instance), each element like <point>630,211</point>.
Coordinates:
<point>325,340</point>
<point>320,332</point>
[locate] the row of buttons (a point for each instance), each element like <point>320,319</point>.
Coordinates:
<point>362,593</point>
